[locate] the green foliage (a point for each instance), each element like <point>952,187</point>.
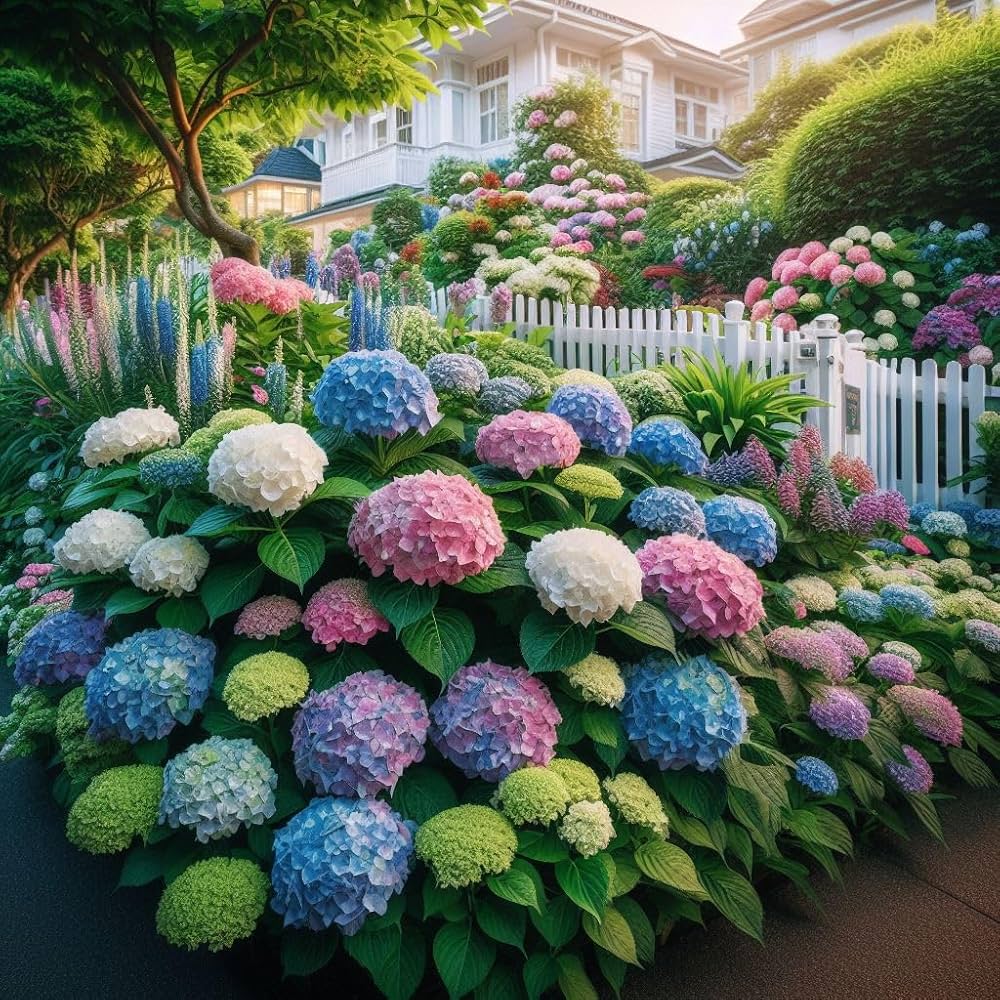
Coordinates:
<point>906,142</point>
<point>279,239</point>
<point>442,178</point>
<point>672,200</point>
<point>397,218</point>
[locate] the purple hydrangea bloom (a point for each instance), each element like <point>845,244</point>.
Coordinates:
<point>666,441</point>
<point>891,668</point>
<point>378,393</point>
<point>599,417</point>
<point>886,545</point>
<point>337,861</point>
<point>731,470</point>
<point>816,775</point>
<point>984,634</point>
<point>682,714</point>
<point>358,737</point>
<point>743,527</point>
<point>931,713</point>
<point>667,511</point>
<point>491,719</point>
<point>459,373</point>
<point>841,713</point>
<point>504,394</point>
<point>61,646</point>
<point>147,683</point>
<point>945,325</point>
<point>915,777</point>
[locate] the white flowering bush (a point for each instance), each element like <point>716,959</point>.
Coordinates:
<point>173,565</point>
<point>132,432</point>
<point>102,541</point>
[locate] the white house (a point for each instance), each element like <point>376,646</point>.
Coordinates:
<point>675,100</point>
<point>777,32</point>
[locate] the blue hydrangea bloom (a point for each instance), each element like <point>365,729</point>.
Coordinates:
<point>887,546</point>
<point>599,417</point>
<point>144,312</point>
<point>667,511</point>
<point>816,775</point>
<point>504,394</point>
<point>945,524</point>
<point>429,216</point>
<point>216,787</point>
<point>60,647</point>
<point>378,393</point>
<point>920,510</point>
<point>965,509</point>
<point>148,683</point>
<point>907,599</point>
<point>338,861</point>
<point>860,605</point>
<point>682,714</point>
<point>986,526</point>
<point>459,373</point>
<point>170,468</point>
<point>742,527</point>
<point>666,441</point>
<point>731,470</point>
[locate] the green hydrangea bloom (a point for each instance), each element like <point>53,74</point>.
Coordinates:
<point>587,827</point>
<point>214,902</point>
<point>581,781</point>
<point>958,547</point>
<point>234,419</point>
<point>978,582</point>
<point>171,468</point>
<point>500,365</point>
<point>903,649</point>
<point>203,442</point>
<point>488,343</point>
<point>969,604</point>
<point>598,679</point>
<point>416,333</point>
<point>464,844</point>
<point>841,579</point>
<point>527,354</point>
<point>264,684</point>
<point>953,570</point>
<point>32,718</point>
<point>814,593</point>
<point>24,621</point>
<point>117,806</point>
<point>533,795</point>
<point>647,393</point>
<point>580,376</point>
<point>84,756</point>
<point>637,802</point>
<point>590,482</point>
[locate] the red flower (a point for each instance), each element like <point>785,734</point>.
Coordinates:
<point>659,272</point>
<point>491,179</point>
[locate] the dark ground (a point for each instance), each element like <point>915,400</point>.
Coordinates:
<point>912,922</point>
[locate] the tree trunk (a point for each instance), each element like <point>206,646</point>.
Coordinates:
<point>19,274</point>
<point>195,203</point>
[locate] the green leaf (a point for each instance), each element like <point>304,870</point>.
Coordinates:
<point>586,881</point>
<point>647,624</point>
<point>395,957</point>
<point>541,845</point>
<point>229,587</point>
<point>463,957</point>
<point>553,642</point>
<point>702,795</point>
<point>422,792</point>
<point>182,612</point>
<point>452,904</point>
<point>516,885</point>
<point>613,934</point>
<point>573,979</point>
<point>441,642</point>
<point>926,812</point>
<point>603,725</point>
<point>294,554</point>
<point>558,923</point>
<point>216,521</point>
<point>507,570</point>
<point>142,866</point>
<point>338,488</point>
<point>502,921</point>
<point>642,929</point>
<point>540,974</point>
<point>767,780</point>
<point>402,604</point>
<point>503,983</point>
<point>734,897</point>
<point>128,601</point>
<point>306,952</point>
<point>669,865</point>
<point>152,752</point>
<point>971,769</point>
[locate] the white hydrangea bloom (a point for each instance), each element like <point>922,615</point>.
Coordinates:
<point>271,467</point>
<point>995,374</point>
<point>588,827</point>
<point>102,541</point>
<point>173,565</point>
<point>887,342</point>
<point>860,234</point>
<point>910,300</point>
<point>869,345</point>
<point>484,250</point>
<point>882,241</point>
<point>903,279</point>
<point>589,574</point>
<point>884,317</point>
<point>132,432</point>
<point>841,244</point>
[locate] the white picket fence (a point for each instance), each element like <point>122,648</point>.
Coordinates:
<point>914,427</point>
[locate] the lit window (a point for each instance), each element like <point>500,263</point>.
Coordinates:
<point>404,126</point>
<point>686,88</point>
<point>571,61</point>
<point>627,86</point>
<point>268,199</point>
<point>296,199</point>
<point>494,117</point>
<point>251,204</point>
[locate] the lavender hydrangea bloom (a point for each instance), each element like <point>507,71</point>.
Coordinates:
<point>492,719</point>
<point>682,715</point>
<point>816,775</point>
<point>840,713</point>
<point>666,441</point>
<point>907,600</point>
<point>599,417</point>
<point>337,862</point>
<point>730,470</point>
<point>61,646</point>
<point>914,777</point>
<point>743,527</point>
<point>378,393</point>
<point>458,373</point>
<point>984,634</point>
<point>931,713</point>
<point>148,683</point>
<point>668,511</point>
<point>892,668</point>
<point>504,394</point>
<point>886,545</point>
<point>218,786</point>
<point>358,737</point>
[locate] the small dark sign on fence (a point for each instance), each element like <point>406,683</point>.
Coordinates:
<point>852,409</point>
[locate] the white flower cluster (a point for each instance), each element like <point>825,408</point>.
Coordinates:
<point>841,244</point>
<point>887,342</point>
<point>882,241</point>
<point>910,300</point>
<point>173,565</point>
<point>884,317</point>
<point>589,574</point>
<point>903,279</point>
<point>132,432</point>
<point>588,827</point>
<point>102,541</point>
<point>535,284</point>
<point>495,270</point>
<point>583,278</point>
<point>485,250</point>
<point>860,234</point>
<point>271,467</point>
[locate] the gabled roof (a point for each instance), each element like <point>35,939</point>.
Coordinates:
<point>288,162</point>
<point>707,161</point>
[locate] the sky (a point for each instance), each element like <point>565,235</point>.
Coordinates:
<point>710,24</point>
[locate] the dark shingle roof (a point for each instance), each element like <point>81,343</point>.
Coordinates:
<point>287,161</point>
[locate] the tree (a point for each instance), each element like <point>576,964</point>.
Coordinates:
<point>60,170</point>
<point>168,69</point>
<point>398,217</point>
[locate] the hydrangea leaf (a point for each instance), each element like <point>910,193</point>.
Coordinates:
<point>553,642</point>
<point>306,952</point>
<point>216,521</point>
<point>613,934</point>
<point>558,923</point>
<point>441,642</point>
<point>229,587</point>
<point>422,792</point>
<point>183,613</point>
<point>338,488</point>
<point>507,571</point>
<point>463,957</point>
<point>128,601</point>
<point>502,921</point>
<point>540,974</point>
<point>587,882</point>
<point>734,897</point>
<point>517,885</point>
<point>669,865</point>
<point>294,554</point>
<point>573,979</point>
<point>401,603</point>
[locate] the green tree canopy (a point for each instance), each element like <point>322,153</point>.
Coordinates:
<point>168,69</point>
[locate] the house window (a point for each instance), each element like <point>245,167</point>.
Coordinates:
<point>627,86</point>
<point>761,70</point>
<point>268,199</point>
<point>967,8</point>
<point>314,148</point>
<point>570,61</point>
<point>379,131</point>
<point>251,204</point>
<point>296,199</point>
<point>493,89</point>
<point>686,88</point>
<point>691,119</point>
<point>404,126</point>
<point>347,144</point>
<point>458,116</point>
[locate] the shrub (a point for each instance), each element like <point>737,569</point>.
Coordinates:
<point>398,217</point>
<point>442,178</point>
<point>909,141</point>
<point>338,237</point>
<point>672,200</point>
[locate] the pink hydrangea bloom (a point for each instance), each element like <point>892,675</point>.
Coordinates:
<point>55,597</point>
<point>604,219</point>
<point>429,528</point>
<point>612,202</point>
<point>514,179</point>
<point>799,610</point>
<point>754,291</point>
<point>822,266</point>
<point>711,592</point>
<point>267,617</point>
<point>566,119</point>
<point>915,545</point>
<point>259,393</point>
<point>41,570</point>
<point>858,254</point>
<point>869,273</point>
<point>850,642</point>
<point>614,182</point>
<point>558,151</point>
<point>915,776</point>
<point>523,442</point>
<point>892,668</point>
<point>811,650</point>
<point>811,250</point>
<point>636,214</point>
<point>545,93</point>
<point>785,322</point>
<point>26,582</point>
<point>785,297</point>
<point>582,246</point>
<point>633,237</point>
<point>560,173</point>
<point>537,118</point>
<point>579,184</point>
<point>931,713</point>
<point>235,280</point>
<point>560,239</point>
<point>841,275</point>
<point>792,271</point>
<point>761,310</point>
<point>783,258</point>
<point>341,611</point>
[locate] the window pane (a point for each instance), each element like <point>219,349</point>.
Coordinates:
<point>404,126</point>
<point>700,121</point>
<point>268,198</point>
<point>681,116</point>
<point>296,200</point>
<point>502,116</point>
<point>458,116</point>
<point>251,209</point>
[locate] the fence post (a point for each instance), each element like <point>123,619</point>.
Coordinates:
<point>830,370</point>
<point>734,334</point>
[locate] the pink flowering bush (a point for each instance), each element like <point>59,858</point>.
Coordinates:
<point>341,611</point>
<point>525,442</point>
<point>236,280</point>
